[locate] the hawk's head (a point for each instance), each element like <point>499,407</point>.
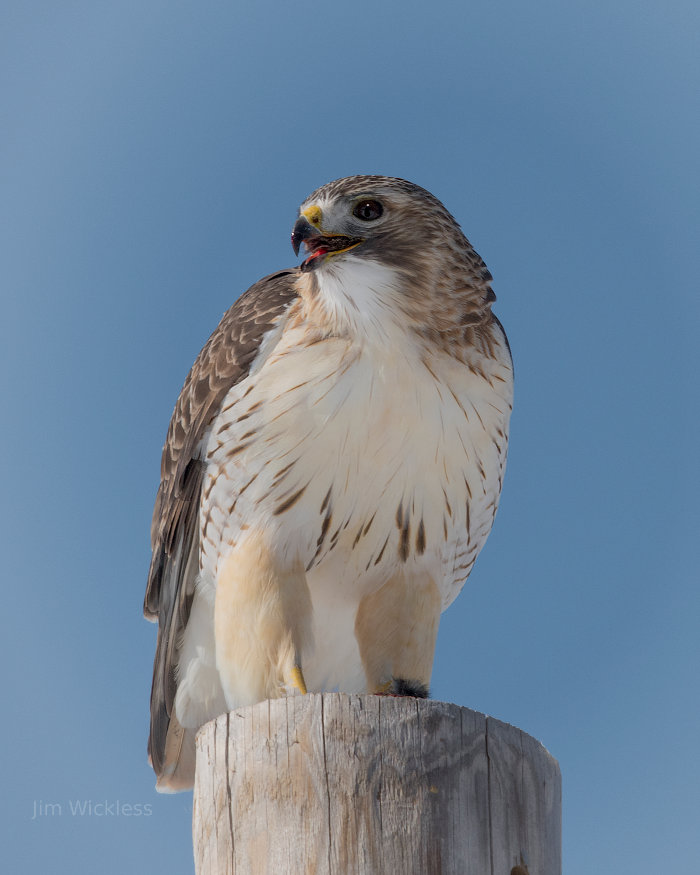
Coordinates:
<point>388,219</point>
<point>391,251</point>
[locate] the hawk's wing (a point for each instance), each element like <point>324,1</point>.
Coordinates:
<point>224,361</point>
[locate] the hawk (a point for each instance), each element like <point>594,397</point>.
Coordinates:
<point>332,468</point>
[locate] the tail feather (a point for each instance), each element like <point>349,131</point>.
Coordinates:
<point>177,772</point>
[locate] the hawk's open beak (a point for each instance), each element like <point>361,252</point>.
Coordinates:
<point>319,244</point>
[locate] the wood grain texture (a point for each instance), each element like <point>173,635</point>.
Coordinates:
<point>340,784</point>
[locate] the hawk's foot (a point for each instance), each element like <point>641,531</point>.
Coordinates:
<point>404,687</point>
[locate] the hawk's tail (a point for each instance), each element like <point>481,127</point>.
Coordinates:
<point>177,772</point>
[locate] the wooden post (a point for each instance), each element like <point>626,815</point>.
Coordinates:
<point>340,784</point>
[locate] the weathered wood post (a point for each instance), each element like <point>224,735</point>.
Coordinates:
<point>339,784</point>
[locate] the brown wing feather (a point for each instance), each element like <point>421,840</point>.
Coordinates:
<point>225,359</point>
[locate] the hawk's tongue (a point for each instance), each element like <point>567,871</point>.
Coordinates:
<point>317,253</point>
<point>316,247</point>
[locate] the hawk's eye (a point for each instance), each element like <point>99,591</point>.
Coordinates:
<point>368,211</point>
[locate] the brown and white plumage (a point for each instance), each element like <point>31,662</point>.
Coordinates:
<point>332,468</point>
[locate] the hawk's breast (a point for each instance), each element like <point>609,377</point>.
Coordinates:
<point>358,460</point>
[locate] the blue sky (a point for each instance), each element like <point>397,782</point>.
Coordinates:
<point>152,159</point>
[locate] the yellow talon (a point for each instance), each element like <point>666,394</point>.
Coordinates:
<point>383,689</point>
<point>298,679</point>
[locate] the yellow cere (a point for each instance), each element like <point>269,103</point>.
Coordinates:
<point>313,215</point>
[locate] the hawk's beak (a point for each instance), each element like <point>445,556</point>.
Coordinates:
<point>307,230</point>
<point>303,229</point>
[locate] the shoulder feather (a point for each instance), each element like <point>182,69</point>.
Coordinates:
<point>224,361</point>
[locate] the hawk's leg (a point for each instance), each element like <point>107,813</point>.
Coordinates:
<point>262,624</point>
<point>396,628</point>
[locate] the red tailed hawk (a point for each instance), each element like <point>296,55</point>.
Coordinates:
<point>332,468</point>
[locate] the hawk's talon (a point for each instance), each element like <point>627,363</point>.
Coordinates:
<point>384,690</point>
<point>297,679</point>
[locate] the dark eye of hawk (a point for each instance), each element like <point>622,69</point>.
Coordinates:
<point>368,211</point>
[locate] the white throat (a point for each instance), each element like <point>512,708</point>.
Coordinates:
<point>363,298</point>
